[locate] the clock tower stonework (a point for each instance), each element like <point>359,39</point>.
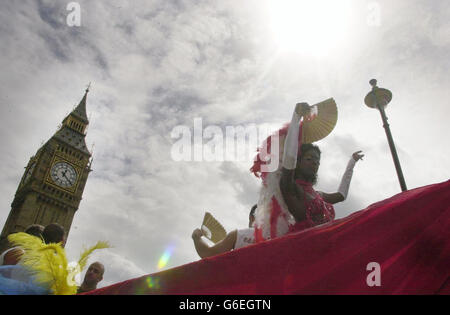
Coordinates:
<point>51,188</point>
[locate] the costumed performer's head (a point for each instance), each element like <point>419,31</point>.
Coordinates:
<point>308,163</point>
<point>54,233</point>
<point>35,230</point>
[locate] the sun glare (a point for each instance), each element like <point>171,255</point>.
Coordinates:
<point>314,27</point>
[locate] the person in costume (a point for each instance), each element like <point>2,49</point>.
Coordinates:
<point>12,255</point>
<point>43,268</point>
<point>234,240</point>
<point>288,201</point>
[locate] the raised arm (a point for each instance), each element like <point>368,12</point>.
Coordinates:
<point>344,186</point>
<point>293,195</point>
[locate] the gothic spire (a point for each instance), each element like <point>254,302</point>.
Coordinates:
<point>73,129</point>
<point>80,110</point>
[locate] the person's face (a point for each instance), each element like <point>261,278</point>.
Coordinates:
<point>309,164</point>
<point>94,274</point>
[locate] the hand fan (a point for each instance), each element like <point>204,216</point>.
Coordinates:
<point>212,229</point>
<point>321,122</point>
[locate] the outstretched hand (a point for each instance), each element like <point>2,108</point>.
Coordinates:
<point>197,234</point>
<point>357,156</point>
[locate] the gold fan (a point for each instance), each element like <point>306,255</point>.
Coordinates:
<point>212,229</point>
<point>321,122</point>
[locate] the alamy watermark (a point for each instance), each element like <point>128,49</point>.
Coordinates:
<point>374,16</point>
<point>229,143</point>
<point>74,17</point>
<point>374,277</point>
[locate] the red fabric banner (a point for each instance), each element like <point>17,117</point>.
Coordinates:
<point>406,235</point>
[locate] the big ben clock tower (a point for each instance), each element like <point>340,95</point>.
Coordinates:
<point>51,188</point>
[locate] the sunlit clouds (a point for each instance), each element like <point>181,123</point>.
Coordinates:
<point>310,27</point>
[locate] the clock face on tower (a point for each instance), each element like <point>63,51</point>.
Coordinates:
<point>63,174</point>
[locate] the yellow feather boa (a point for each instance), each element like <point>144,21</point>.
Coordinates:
<point>48,264</point>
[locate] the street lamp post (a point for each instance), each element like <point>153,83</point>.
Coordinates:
<point>379,98</point>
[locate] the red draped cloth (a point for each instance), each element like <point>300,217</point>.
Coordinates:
<point>407,235</point>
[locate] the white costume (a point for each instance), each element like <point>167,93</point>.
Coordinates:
<point>245,237</point>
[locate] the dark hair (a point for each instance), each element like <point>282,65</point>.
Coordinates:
<point>252,211</point>
<point>53,233</point>
<point>35,230</point>
<point>308,147</point>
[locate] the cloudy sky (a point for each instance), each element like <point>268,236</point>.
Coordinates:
<point>155,65</point>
